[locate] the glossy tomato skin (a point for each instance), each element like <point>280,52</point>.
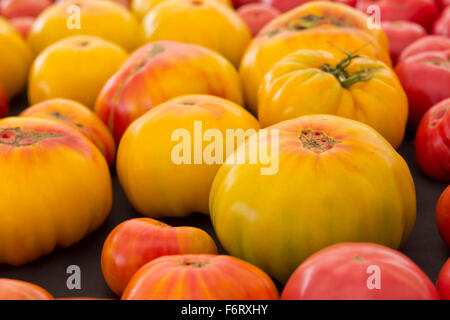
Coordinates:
<point>315,25</point>
<point>135,242</point>
<point>426,44</point>
<point>11,289</point>
<point>401,34</point>
<point>4,102</point>
<point>433,142</point>
<point>443,216</point>
<point>343,271</point>
<point>200,277</point>
<point>442,24</point>
<point>423,12</point>
<point>315,153</point>
<point>443,282</point>
<point>434,69</point>
<point>146,80</point>
<point>297,85</point>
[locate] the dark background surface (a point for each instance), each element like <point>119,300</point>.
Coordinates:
<point>424,246</point>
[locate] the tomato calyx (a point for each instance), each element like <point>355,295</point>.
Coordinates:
<point>193,263</point>
<point>440,63</point>
<point>56,114</point>
<point>19,138</point>
<point>345,78</point>
<point>316,141</point>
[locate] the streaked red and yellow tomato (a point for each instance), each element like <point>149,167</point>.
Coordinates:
<point>11,289</point>
<point>317,82</point>
<point>135,242</point>
<point>359,271</point>
<point>55,188</point>
<point>335,179</point>
<point>79,118</point>
<point>200,277</point>
<point>167,159</point>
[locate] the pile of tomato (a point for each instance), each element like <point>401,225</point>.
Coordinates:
<point>279,119</point>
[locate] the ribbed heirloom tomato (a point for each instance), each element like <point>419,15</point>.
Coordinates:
<point>203,22</point>
<point>167,159</point>
<point>78,117</point>
<point>55,188</point>
<point>359,271</point>
<point>11,289</point>
<point>433,142</point>
<point>136,242</point>
<point>337,180</point>
<point>200,277</point>
<point>317,82</point>
<point>316,25</point>
<point>443,216</point>
<point>160,71</point>
<point>425,44</point>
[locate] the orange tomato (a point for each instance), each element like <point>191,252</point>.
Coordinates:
<point>20,290</point>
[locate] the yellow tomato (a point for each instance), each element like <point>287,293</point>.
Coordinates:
<point>15,59</point>
<point>74,68</point>
<point>331,180</point>
<point>317,82</point>
<point>141,7</point>
<point>104,19</point>
<point>55,188</point>
<point>203,22</point>
<point>167,159</point>
<point>316,26</point>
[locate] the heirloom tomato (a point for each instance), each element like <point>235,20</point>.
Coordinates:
<point>167,159</point>
<point>359,271</point>
<point>160,71</point>
<point>74,68</point>
<point>141,7</point>
<point>135,242</point>
<point>203,22</point>
<point>335,179</point>
<point>257,15</point>
<point>317,82</point>
<point>316,26</point>
<point>286,5</point>
<point>104,19</point>
<point>15,59</point>
<point>23,8</point>
<point>4,102</point>
<point>443,216</point>
<point>423,12</point>
<point>11,289</point>
<point>442,24</point>
<point>200,277</point>
<point>79,118</point>
<point>401,34</point>
<point>23,25</point>
<point>443,282</point>
<point>426,80</point>
<point>425,44</point>
<point>433,142</point>
<point>55,188</point>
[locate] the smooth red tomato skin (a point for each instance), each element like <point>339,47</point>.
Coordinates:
<point>426,44</point>
<point>443,282</point>
<point>4,102</point>
<point>135,242</point>
<point>433,142</point>
<point>426,80</point>
<point>442,24</point>
<point>200,277</point>
<point>20,290</point>
<point>341,272</point>
<point>401,34</point>
<point>443,220</point>
<point>423,12</point>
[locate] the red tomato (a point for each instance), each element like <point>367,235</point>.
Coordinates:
<point>400,35</point>
<point>426,80</point>
<point>442,4</point>
<point>286,5</point>
<point>200,277</point>
<point>359,271</point>
<point>433,142</point>
<point>257,15</point>
<point>442,24</point>
<point>443,282</point>
<point>423,12</point>
<point>135,242</point>
<point>20,290</point>
<point>443,216</point>
<point>23,8</point>
<point>425,44</point>
<point>4,102</point>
